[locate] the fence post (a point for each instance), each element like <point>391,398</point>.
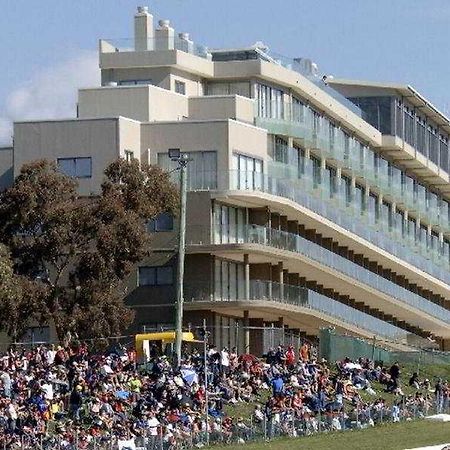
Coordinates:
<point>265,427</point>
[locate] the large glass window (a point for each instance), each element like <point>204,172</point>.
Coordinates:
<point>270,102</point>
<point>76,167</point>
<point>433,145</point>
<point>377,111</point>
<point>155,276</point>
<point>201,169</point>
<point>443,147</point>
<point>229,224</point>
<point>248,171</point>
<point>237,88</point>
<point>421,132</point>
<point>229,280</point>
<point>409,126</point>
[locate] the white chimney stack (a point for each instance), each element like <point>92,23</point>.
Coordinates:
<point>164,36</point>
<point>143,30</point>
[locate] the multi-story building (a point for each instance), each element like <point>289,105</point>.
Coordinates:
<point>312,202</point>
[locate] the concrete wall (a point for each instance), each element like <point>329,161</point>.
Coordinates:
<point>176,58</point>
<point>194,84</point>
<point>159,76</point>
<point>248,140</point>
<point>188,136</point>
<point>129,138</point>
<point>97,139</point>
<point>127,101</point>
<point>143,103</point>
<point>6,167</point>
<point>221,107</point>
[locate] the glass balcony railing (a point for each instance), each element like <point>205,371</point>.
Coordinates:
<point>316,191</point>
<point>307,298</point>
<point>317,132</point>
<point>291,242</point>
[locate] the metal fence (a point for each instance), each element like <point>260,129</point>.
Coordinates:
<point>223,432</point>
<point>334,347</point>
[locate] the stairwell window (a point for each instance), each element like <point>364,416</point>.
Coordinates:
<point>76,167</point>
<point>155,276</point>
<point>164,222</point>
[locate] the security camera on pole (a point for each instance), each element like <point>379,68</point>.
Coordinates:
<point>183,160</point>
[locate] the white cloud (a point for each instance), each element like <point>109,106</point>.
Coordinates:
<point>51,93</point>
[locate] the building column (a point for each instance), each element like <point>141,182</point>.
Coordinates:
<point>246,277</point>
<point>290,142</point>
<point>281,279</point>
<point>246,332</point>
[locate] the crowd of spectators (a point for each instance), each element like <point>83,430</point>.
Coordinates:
<point>69,398</point>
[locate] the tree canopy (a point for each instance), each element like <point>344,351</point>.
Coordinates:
<point>70,256</point>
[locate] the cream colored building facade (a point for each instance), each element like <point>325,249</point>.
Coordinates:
<point>312,202</point>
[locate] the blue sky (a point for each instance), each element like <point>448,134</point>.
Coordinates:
<point>48,46</point>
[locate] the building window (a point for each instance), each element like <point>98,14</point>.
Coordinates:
<point>201,169</point>
<point>270,102</point>
<point>164,222</point>
<point>247,172</point>
<point>236,88</point>
<point>229,224</point>
<point>229,280</point>
<point>129,155</point>
<point>155,276</point>
<point>180,87</point>
<point>134,82</point>
<point>76,167</point>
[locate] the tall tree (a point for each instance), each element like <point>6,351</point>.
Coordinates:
<point>73,254</point>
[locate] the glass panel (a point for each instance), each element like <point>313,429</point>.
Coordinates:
<point>67,166</point>
<point>83,167</point>
<point>147,276</point>
<point>164,275</point>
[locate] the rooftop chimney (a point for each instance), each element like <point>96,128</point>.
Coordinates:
<point>164,36</point>
<point>143,29</point>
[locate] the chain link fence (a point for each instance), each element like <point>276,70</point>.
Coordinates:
<point>334,347</point>
<point>288,423</point>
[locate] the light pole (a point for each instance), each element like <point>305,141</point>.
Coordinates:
<point>205,362</point>
<point>182,159</point>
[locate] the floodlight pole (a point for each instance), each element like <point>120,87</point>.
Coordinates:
<point>182,161</point>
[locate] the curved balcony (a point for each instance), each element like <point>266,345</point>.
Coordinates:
<point>331,310</point>
<point>294,243</point>
<point>297,120</point>
<point>336,207</point>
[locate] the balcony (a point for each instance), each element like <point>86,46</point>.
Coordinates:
<point>297,120</point>
<point>314,191</point>
<point>308,299</point>
<point>287,241</point>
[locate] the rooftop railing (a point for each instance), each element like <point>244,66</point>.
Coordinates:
<point>154,44</point>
